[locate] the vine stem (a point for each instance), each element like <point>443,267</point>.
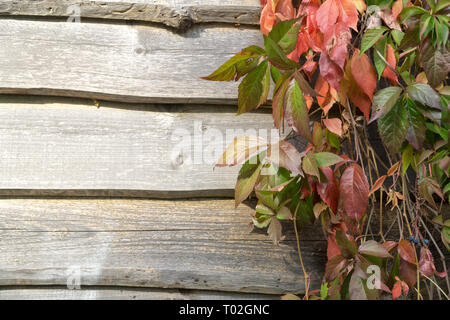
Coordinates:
<point>300,254</point>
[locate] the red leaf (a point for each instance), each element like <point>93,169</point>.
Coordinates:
<point>334,11</point>
<point>332,248</point>
<point>334,125</point>
<point>389,245</point>
<point>426,264</point>
<point>354,190</point>
<point>397,290</point>
<point>364,73</point>
<point>390,57</point>
<point>330,71</point>
<point>327,15</point>
<point>377,185</point>
<point>329,191</point>
<point>406,251</point>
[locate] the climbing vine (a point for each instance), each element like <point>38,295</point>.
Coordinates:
<point>336,69</point>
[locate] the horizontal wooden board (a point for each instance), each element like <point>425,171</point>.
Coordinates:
<point>197,244</point>
<point>174,13</point>
<point>122,293</point>
<point>112,61</point>
<point>60,146</point>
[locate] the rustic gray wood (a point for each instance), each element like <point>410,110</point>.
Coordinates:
<point>180,14</point>
<point>111,61</point>
<point>60,146</point>
<point>150,243</point>
<point>124,293</point>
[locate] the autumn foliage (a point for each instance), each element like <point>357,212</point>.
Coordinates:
<point>337,67</point>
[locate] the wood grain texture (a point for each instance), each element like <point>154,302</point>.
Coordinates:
<point>60,146</point>
<point>111,61</point>
<point>194,244</point>
<point>180,14</point>
<point>123,293</point>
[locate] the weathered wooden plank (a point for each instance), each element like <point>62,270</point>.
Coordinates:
<point>111,61</point>
<point>122,293</point>
<point>60,146</point>
<point>149,243</point>
<point>180,14</point>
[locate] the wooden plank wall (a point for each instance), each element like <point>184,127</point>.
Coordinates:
<point>106,192</point>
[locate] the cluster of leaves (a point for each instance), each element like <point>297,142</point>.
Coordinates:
<point>341,57</point>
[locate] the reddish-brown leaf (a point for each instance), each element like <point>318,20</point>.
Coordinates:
<point>364,73</point>
<point>392,170</point>
<point>408,272</point>
<point>406,251</point>
<point>389,245</point>
<point>334,125</point>
<point>329,191</point>
<point>285,155</point>
<point>334,266</point>
<point>354,191</point>
<point>390,57</point>
<point>377,185</point>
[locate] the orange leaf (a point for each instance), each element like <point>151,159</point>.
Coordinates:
<point>377,185</point>
<point>392,170</point>
<point>334,125</point>
<point>406,251</point>
<point>397,7</point>
<point>390,57</point>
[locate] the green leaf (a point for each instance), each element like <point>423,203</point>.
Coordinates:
<point>379,63</point>
<point>324,290</point>
<point>411,39</point>
<point>248,175</point>
<point>407,155</point>
<point>309,165</point>
<point>370,37</point>
<point>383,101</point>
<point>277,57</point>
<point>397,35</point>
<point>326,159</point>
<point>424,94</point>
<point>435,63</point>
<point>426,25</point>
<point>278,99</point>
<point>411,11</point>
<point>417,127</point>
<point>285,34</point>
<point>393,127</point>
<point>228,70</point>
<point>347,247</point>
<point>254,88</point>
<point>441,5</point>
<point>333,139</point>
<point>276,74</point>
<point>296,112</point>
